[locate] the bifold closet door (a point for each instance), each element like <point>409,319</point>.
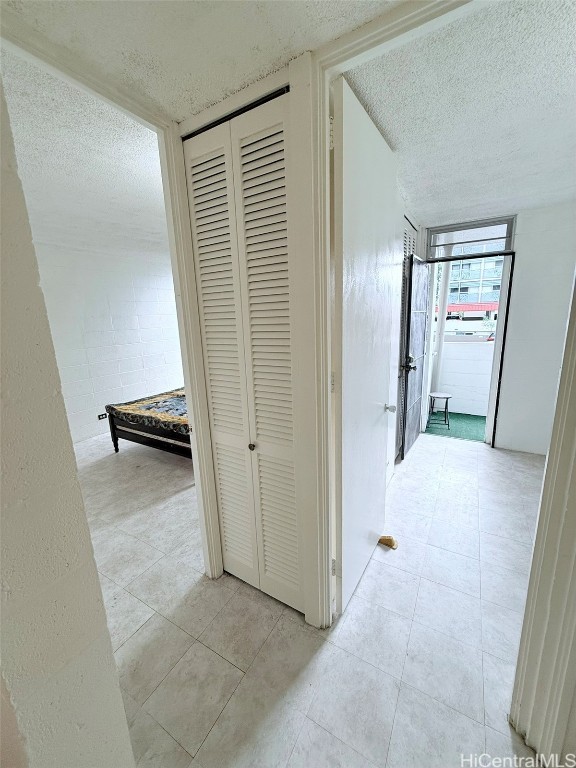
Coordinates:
<point>259,151</point>
<point>211,197</point>
<point>237,186</point>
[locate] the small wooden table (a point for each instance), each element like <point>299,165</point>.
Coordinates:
<point>446,414</point>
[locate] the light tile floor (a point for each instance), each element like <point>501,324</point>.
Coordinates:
<point>418,670</point>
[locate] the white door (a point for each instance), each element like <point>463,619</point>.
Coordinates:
<point>212,207</point>
<point>367,270</point>
<point>260,179</point>
<point>237,188</point>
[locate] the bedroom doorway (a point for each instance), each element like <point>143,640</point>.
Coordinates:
<point>92,180</point>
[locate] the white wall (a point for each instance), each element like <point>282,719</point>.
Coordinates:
<point>544,696</point>
<point>93,188</point>
<point>57,660</point>
<point>543,283</point>
<point>113,321</point>
<point>465,373</point>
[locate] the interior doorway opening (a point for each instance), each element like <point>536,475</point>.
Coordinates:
<point>462,515</point>
<point>453,325</point>
<point>92,181</point>
<point>473,266</point>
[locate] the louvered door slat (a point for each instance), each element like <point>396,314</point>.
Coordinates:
<point>268,276</point>
<point>260,174</point>
<point>214,232</point>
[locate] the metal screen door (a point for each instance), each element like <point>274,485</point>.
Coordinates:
<point>415,305</point>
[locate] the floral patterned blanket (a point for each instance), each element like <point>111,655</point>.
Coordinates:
<point>165,411</point>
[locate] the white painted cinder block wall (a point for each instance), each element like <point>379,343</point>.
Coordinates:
<point>465,373</point>
<point>542,289</point>
<point>112,314</point>
<point>93,188</point>
<point>57,661</point>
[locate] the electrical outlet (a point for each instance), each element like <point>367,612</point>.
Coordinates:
<point>101,416</point>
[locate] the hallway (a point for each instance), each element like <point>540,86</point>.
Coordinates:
<point>419,669</point>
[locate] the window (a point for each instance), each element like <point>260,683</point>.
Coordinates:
<point>472,239</point>
<point>489,293</point>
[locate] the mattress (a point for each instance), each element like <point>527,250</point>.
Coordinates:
<point>164,411</point>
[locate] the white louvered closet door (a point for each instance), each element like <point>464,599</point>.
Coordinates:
<point>211,197</point>
<point>260,166</point>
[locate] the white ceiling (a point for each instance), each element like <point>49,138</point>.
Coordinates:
<point>91,175</point>
<point>482,113</point>
<point>179,56</point>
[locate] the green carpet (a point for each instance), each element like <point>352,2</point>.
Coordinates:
<point>462,426</point>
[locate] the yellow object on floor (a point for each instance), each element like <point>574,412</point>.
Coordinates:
<point>388,541</point>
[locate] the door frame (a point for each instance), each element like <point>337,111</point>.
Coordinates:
<point>545,681</point>
<point>297,77</point>
<point>403,24</point>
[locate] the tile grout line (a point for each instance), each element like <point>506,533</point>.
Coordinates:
<point>146,506</point>
<point>219,654</point>
<point>298,738</point>
<point>460,554</point>
<point>137,629</point>
<point>443,703</point>
<point>197,640</point>
<point>218,716</point>
<point>235,689</point>
<point>162,728</point>
<point>194,640</point>
<point>482,656</point>
<point>117,527</point>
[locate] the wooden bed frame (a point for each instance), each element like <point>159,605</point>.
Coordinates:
<point>154,437</point>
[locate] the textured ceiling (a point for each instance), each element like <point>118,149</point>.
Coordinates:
<point>179,56</point>
<point>482,113</point>
<point>91,175</point>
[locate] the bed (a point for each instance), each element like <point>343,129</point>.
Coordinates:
<point>159,421</point>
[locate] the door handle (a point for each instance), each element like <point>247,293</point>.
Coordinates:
<point>408,364</point>
<point>389,408</point>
